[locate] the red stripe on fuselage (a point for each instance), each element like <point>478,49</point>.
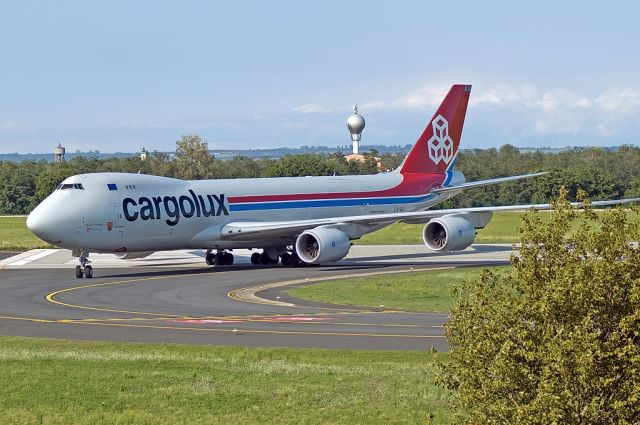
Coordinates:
<point>412,184</point>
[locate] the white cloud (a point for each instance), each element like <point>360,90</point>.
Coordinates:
<point>623,102</point>
<point>583,102</point>
<point>310,108</point>
<point>512,112</point>
<point>374,104</point>
<point>427,96</point>
<point>546,112</point>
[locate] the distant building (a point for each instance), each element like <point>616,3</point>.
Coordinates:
<point>360,158</point>
<point>143,154</point>
<point>58,153</point>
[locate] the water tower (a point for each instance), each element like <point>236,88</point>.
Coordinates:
<point>58,153</point>
<point>355,125</point>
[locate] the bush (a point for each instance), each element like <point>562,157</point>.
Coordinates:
<point>558,339</point>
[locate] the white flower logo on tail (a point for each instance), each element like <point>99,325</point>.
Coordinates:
<point>440,146</point>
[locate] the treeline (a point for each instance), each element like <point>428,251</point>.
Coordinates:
<point>603,174</point>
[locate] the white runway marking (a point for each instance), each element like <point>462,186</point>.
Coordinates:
<point>34,257</point>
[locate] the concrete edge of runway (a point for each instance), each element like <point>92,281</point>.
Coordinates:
<point>249,294</point>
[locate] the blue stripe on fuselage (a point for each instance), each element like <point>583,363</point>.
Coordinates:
<point>320,203</point>
<point>449,173</point>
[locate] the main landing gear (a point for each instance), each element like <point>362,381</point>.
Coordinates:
<point>286,257</point>
<point>84,269</point>
<point>221,258</point>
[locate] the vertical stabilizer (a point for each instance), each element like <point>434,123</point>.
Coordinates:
<point>436,149</point>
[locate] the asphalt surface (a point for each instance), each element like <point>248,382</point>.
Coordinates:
<point>7,254</point>
<point>192,304</point>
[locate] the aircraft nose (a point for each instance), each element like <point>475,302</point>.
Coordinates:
<point>35,221</point>
<point>41,225</point>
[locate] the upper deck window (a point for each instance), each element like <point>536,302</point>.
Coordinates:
<point>67,186</point>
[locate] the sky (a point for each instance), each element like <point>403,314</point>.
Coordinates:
<point>118,75</point>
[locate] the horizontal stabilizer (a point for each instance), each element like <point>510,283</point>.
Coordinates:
<point>488,182</point>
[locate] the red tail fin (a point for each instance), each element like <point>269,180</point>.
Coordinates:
<point>436,149</point>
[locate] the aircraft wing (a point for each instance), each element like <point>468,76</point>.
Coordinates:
<point>249,230</point>
<point>480,183</point>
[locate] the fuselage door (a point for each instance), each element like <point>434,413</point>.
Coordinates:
<point>116,221</point>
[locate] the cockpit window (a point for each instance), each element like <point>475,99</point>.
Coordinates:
<point>67,186</point>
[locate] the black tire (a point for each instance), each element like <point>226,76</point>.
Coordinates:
<point>255,258</point>
<point>295,260</point>
<point>210,259</point>
<point>286,259</point>
<point>264,259</point>
<point>88,272</point>
<point>79,272</point>
<point>228,259</point>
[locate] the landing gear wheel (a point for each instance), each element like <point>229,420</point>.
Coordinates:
<point>223,258</point>
<point>265,259</point>
<point>210,259</point>
<point>291,259</point>
<point>255,258</point>
<point>84,269</point>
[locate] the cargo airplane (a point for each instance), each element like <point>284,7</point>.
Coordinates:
<point>291,220</point>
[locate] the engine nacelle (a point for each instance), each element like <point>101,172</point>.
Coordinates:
<point>132,255</point>
<point>449,233</point>
<point>322,244</point>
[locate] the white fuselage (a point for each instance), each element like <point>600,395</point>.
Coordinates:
<point>118,212</point>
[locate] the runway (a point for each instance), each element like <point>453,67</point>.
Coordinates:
<point>175,298</point>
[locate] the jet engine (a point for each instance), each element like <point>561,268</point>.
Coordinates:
<point>132,255</point>
<point>322,244</point>
<point>449,233</point>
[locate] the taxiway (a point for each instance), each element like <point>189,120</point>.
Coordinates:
<point>174,297</point>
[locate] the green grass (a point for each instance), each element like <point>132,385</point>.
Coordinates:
<point>416,291</point>
<point>503,228</point>
<point>60,382</point>
<point>14,235</point>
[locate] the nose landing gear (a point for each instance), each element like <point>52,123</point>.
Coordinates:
<point>84,269</point>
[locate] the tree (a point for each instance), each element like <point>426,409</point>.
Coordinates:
<point>193,160</point>
<point>17,187</point>
<point>299,165</point>
<point>557,339</point>
<point>50,178</point>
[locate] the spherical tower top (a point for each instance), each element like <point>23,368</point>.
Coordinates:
<point>355,123</point>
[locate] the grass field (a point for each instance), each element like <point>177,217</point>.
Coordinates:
<point>503,228</point>
<point>14,235</point>
<point>416,291</point>
<point>60,382</point>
